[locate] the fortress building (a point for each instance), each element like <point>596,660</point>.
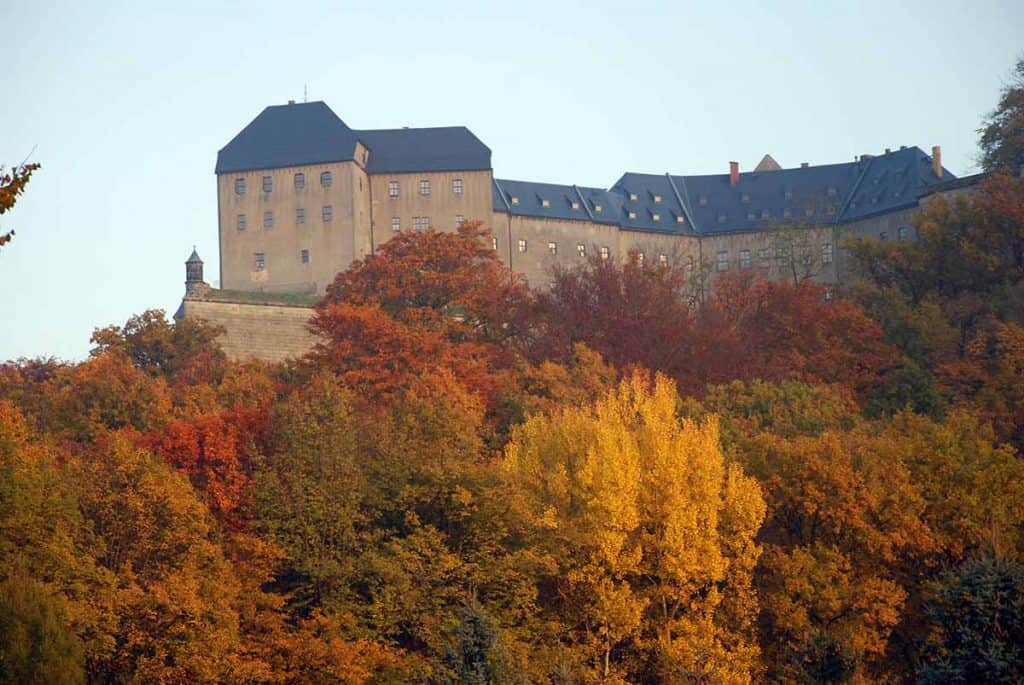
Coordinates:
<point>301,195</point>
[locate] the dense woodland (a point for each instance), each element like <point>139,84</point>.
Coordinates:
<point>624,479</point>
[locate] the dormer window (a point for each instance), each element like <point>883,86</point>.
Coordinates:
<point>765,214</point>
<point>633,197</point>
<point>751,216</point>
<point>831,191</point>
<point>544,202</point>
<point>515,200</point>
<point>744,197</point>
<point>722,218</point>
<point>657,198</point>
<point>575,205</point>
<point>787,213</point>
<point>809,211</point>
<point>597,208</point>
<point>680,219</point>
<point>632,214</point>
<point>703,200</point>
<point>789,194</point>
<point>655,217</point>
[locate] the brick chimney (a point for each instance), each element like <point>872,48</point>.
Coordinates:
<point>804,165</point>
<point>937,160</point>
<point>734,173</point>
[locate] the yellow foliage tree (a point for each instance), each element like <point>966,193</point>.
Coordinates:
<point>650,531</point>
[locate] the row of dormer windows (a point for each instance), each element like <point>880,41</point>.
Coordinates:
<point>326,215</point>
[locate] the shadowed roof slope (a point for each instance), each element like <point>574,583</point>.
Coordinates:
<point>406,150</point>
<point>289,135</point>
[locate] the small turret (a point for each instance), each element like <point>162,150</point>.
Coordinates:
<point>194,283</point>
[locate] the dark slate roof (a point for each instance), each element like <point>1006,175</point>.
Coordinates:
<point>658,208</point>
<point>406,150</point>
<point>526,198</point>
<point>893,181</point>
<point>289,135</point>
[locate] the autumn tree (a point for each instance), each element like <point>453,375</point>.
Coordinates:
<point>648,530</point>
<point>1002,133</point>
<point>12,184</point>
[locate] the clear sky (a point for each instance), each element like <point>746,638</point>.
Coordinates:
<point>126,104</point>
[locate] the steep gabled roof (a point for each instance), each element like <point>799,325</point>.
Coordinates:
<point>407,150</point>
<point>526,198</point>
<point>289,135</point>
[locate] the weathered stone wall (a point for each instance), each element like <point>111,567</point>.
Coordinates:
<point>271,332</point>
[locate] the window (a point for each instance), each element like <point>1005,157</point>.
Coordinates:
<point>396,224</point>
<point>597,208</point>
<point>268,184</point>
<point>663,259</point>
<point>751,216</point>
<point>831,191</point>
<point>722,218</point>
<point>826,253</point>
<point>457,186</point>
<point>304,256</point>
<point>239,186</point>
<point>640,258</point>
<point>268,219</point>
<point>703,200</point>
<point>722,260</point>
<point>808,211</point>
<point>392,189</point>
<point>300,181</point>
<point>327,213</point>
<point>515,200</point>
<point>425,187</point>
<point>240,222</point>
<point>326,179</point>
<point>581,249</point>
<point>575,205</point>
<point>522,244</point>
<point>765,214</point>
<point>300,215</point>
<point>744,197</point>
<point>605,252</point>
<point>901,233</point>
<point>657,198</point>
<point>744,259</point>
<point>420,223</point>
<point>544,202</point>
<point>680,219</point>
<point>789,194</point>
<point>632,214</point>
<point>494,243</point>
<point>260,261</point>
<point>764,255</point>
<point>656,217</point>
<point>830,210</point>
<point>883,236</point>
<point>458,220</point>
<point>787,213</point>
<point>553,248</point>
<point>690,264</point>
<point>632,197</point>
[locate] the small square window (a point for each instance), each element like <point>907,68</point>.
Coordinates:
<point>831,191</point>
<point>632,197</point>
<point>575,205</point>
<point>656,217</point>
<point>657,198</point>
<point>597,208</point>
<point>808,211</point>
<point>581,249</point>
<point>268,184</point>
<point>326,179</point>
<point>544,202</point>
<point>765,214</point>
<point>327,213</point>
<point>522,245</point>
<point>239,186</point>
<point>605,252</point>
<point>240,222</point>
<point>703,200</point>
<point>744,259</point>
<point>722,260</point>
<point>883,236</point>
<point>789,194</point>
<point>458,220</point>
<point>396,224</point>
<point>751,216</point>
<point>457,186</point>
<point>553,248</point>
<point>826,253</point>
<point>744,197</point>
<point>830,210</point>
<point>300,215</point>
<point>304,256</point>
<point>260,261</point>
<point>268,219</point>
<point>515,200</point>
<point>425,187</point>
<point>300,181</point>
<point>680,219</point>
<point>722,218</point>
<point>632,214</point>
<point>787,213</point>
<point>392,189</point>
<point>663,259</point>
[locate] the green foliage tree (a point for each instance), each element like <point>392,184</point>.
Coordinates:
<point>1002,133</point>
<point>36,645</point>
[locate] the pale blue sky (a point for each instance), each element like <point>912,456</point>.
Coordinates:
<point>127,104</point>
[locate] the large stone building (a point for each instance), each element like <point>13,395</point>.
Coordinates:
<point>301,195</point>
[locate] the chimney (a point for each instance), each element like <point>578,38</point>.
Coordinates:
<point>937,160</point>
<point>734,173</point>
<point>804,165</point>
<point>291,102</point>
<point>888,150</point>
<point>903,147</point>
